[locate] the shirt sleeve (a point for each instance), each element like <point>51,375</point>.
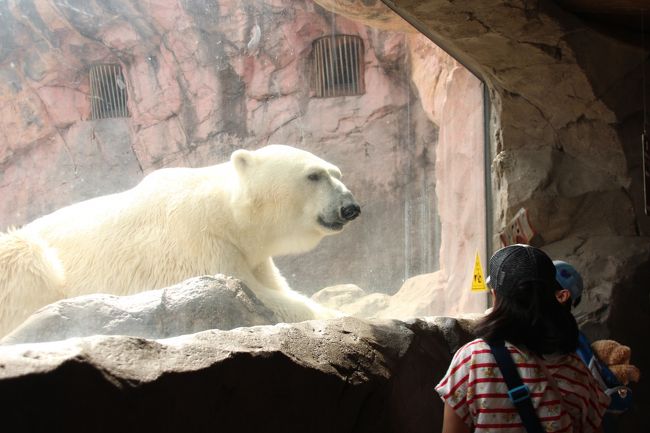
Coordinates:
<point>453,387</point>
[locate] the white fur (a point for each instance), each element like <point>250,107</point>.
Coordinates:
<point>230,218</point>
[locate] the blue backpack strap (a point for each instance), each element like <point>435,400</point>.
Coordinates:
<point>584,349</point>
<point>517,391</point>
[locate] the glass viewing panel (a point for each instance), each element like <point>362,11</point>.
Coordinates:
<point>94,97</point>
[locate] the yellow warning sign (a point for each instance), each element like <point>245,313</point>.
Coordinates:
<point>478,282</point>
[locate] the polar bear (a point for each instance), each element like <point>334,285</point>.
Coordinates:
<point>177,223</point>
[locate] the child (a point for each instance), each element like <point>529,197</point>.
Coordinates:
<point>541,337</point>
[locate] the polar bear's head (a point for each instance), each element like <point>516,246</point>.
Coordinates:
<point>294,196</point>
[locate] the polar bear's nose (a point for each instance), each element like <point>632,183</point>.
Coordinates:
<point>350,211</point>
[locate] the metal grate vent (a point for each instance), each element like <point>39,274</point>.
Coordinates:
<point>337,62</point>
<point>107,92</point>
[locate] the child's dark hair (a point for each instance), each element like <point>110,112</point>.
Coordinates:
<point>531,316</point>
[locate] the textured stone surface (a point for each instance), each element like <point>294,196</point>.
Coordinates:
<point>353,300</point>
<point>195,305</point>
<point>371,12</point>
<point>555,139</point>
<point>343,375</point>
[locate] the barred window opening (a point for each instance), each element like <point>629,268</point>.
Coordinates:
<point>107,92</point>
<point>337,62</point>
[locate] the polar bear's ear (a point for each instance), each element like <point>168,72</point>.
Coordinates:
<point>242,160</point>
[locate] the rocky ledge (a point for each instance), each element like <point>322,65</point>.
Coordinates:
<point>342,375</point>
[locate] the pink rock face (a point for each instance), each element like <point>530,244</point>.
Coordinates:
<point>452,98</point>
<point>460,187</point>
<point>69,103</point>
<point>205,80</point>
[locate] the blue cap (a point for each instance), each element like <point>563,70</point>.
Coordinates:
<point>569,279</point>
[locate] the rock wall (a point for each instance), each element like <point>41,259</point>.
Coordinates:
<point>343,375</point>
<point>452,97</point>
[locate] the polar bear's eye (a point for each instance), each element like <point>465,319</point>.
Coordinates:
<point>314,177</point>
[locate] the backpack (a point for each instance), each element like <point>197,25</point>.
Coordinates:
<point>621,395</point>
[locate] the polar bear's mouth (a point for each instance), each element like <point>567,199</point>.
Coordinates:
<point>336,225</point>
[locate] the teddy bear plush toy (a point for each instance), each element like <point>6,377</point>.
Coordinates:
<point>617,358</point>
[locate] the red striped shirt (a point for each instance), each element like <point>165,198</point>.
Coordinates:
<point>474,388</point>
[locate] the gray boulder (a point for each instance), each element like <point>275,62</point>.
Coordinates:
<point>341,375</point>
<point>195,305</point>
